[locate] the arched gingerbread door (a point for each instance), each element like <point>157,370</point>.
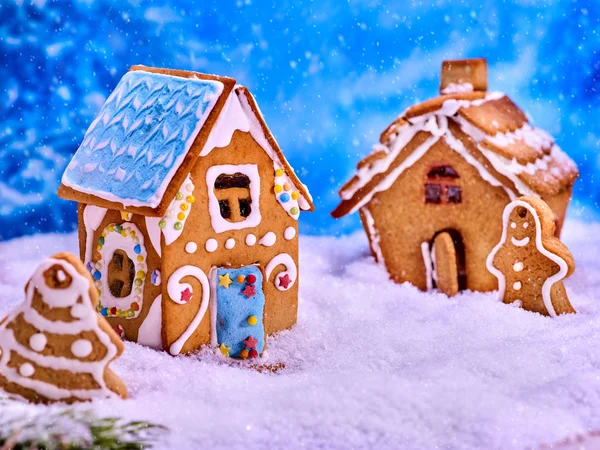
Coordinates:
<point>448,262</point>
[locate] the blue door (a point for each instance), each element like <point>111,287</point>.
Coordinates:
<point>240,305</point>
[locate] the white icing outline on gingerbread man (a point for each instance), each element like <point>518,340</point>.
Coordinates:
<point>561,274</point>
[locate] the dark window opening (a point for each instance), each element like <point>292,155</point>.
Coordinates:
<point>444,171</point>
<point>433,193</point>
<point>225,209</point>
<point>237,180</point>
<point>245,208</point>
<point>121,273</point>
<point>453,194</point>
<point>233,193</point>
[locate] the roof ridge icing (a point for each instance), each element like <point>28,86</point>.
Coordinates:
<point>138,151</point>
<point>434,121</point>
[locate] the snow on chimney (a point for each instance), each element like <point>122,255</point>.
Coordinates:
<point>463,75</point>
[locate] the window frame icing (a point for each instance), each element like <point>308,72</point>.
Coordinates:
<point>220,224</point>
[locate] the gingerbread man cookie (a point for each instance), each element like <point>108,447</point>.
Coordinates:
<point>529,262</point>
<point>55,347</point>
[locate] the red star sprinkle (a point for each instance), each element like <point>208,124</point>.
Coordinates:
<point>285,281</point>
<point>249,291</point>
<point>186,295</point>
<point>250,342</point>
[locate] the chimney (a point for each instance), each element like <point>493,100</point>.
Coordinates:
<point>463,75</point>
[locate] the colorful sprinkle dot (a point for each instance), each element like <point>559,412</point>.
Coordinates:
<point>111,228</point>
<point>99,248</point>
<point>135,306</point>
<point>104,312</point>
<point>101,240</point>
<point>118,228</point>
<point>284,198</point>
<point>279,173</point>
<point>104,234</point>
<point>252,320</point>
<point>177,226</point>
<point>278,188</point>
<point>240,279</point>
<point>123,233</point>
<point>138,281</point>
<point>137,249</point>
<point>97,275</point>
<point>251,279</point>
<point>184,207</point>
<point>113,310</point>
<point>295,195</point>
<point>287,186</point>
<point>140,258</point>
<point>136,240</point>
<point>190,199</point>
<point>181,216</point>
<point>132,234</point>
<point>294,210</point>
<point>141,274</point>
<point>162,224</point>
<point>179,195</point>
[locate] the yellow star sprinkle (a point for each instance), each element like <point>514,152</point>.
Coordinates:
<point>225,350</point>
<point>225,281</point>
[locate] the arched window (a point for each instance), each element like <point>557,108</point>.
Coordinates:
<point>121,273</point>
<point>440,187</point>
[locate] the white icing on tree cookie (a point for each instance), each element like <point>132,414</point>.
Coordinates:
<point>76,297</point>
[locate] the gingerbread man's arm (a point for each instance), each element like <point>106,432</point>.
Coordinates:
<point>555,246</point>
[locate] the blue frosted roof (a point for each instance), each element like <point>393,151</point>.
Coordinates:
<point>142,134</point>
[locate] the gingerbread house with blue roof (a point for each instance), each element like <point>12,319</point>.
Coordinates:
<point>188,214</point>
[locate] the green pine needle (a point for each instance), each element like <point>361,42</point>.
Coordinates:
<point>48,433</point>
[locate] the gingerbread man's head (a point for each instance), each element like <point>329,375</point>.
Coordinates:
<point>522,224</point>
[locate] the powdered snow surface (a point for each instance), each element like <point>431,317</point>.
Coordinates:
<point>369,364</point>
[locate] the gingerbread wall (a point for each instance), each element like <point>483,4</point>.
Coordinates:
<point>130,326</point>
<point>404,221</point>
<point>281,306</point>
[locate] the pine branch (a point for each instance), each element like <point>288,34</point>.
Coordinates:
<point>71,430</point>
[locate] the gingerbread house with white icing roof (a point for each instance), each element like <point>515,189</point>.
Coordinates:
<point>188,214</point>
<point>432,192</point>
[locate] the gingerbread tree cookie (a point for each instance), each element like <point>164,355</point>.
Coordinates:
<point>529,262</point>
<point>55,346</point>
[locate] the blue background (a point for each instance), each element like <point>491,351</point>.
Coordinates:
<point>329,77</point>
